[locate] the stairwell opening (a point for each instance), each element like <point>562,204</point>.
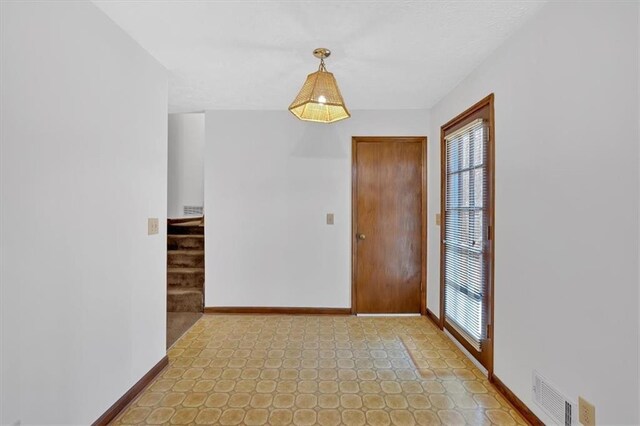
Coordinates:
<point>185,275</point>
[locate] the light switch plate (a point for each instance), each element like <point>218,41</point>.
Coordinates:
<point>329,218</point>
<point>153,226</point>
<point>438,219</point>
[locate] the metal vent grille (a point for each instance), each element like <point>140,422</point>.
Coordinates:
<point>192,210</point>
<point>554,403</point>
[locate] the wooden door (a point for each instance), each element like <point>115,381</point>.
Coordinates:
<point>389,225</point>
<point>466,231</point>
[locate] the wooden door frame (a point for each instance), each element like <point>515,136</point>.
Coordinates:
<point>423,213</point>
<point>459,121</point>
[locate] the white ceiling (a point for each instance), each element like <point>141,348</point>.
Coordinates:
<point>256,54</point>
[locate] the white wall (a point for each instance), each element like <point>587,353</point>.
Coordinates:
<point>83,164</point>
<point>186,162</point>
<point>566,265</point>
<point>270,179</point>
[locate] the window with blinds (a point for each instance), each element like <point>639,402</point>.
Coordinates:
<point>465,235</point>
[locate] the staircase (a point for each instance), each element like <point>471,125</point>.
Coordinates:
<point>185,265</point>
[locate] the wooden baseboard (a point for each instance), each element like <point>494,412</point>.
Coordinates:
<point>433,318</point>
<point>131,394</point>
<point>520,406</point>
<point>275,310</point>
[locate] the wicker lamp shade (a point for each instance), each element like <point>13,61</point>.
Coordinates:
<point>319,99</point>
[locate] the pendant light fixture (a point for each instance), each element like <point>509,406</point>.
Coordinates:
<point>320,99</point>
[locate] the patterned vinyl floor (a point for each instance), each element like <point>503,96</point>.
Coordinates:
<point>326,370</point>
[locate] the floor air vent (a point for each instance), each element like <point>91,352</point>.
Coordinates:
<point>192,210</point>
<point>554,403</point>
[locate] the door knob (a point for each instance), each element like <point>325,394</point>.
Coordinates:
<point>361,236</point>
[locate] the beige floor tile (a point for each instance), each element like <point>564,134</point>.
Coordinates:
<point>136,415</point>
<point>378,418</point>
<point>256,416</point>
<point>329,417</point>
<point>184,416</point>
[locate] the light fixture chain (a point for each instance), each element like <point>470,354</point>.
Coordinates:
<point>322,67</point>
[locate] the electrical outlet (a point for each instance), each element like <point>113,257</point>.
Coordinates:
<point>438,219</point>
<point>153,226</point>
<point>586,412</point>
<point>329,218</point>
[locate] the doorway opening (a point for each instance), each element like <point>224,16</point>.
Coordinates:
<point>185,224</point>
<point>389,227</point>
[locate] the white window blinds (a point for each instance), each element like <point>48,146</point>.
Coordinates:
<point>466,224</point>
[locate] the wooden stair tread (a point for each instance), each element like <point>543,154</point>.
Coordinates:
<point>185,270</point>
<point>192,223</point>
<point>183,290</point>
<point>185,235</point>
<point>187,252</point>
